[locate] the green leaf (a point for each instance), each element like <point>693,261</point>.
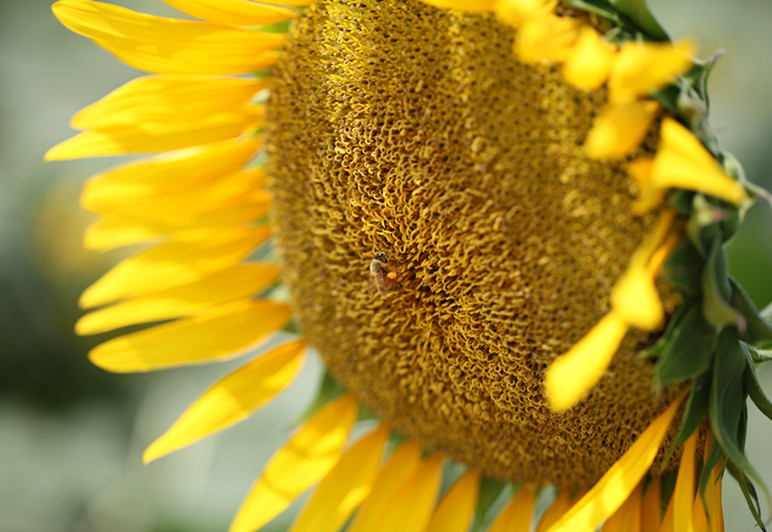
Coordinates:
<point>757,329</point>
<point>716,289</point>
<point>683,268</point>
<point>688,351</point>
<point>639,13</point>
<point>711,462</point>
<point>694,414</point>
<point>753,388</point>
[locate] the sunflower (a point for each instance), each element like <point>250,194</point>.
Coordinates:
<point>500,223</point>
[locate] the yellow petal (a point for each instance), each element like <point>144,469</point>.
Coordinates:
<point>548,38</point>
<point>649,195</point>
<point>518,12</point>
<point>620,480</point>
<point>641,68</point>
<point>307,457</point>
<point>217,334</point>
<point>232,283</point>
<point>682,162</point>
<point>456,509</point>
<point>401,466</point>
<point>233,12</point>
<point>628,517</point>
<point>411,506</point>
<point>713,495</point>
<point>517,515</point>
<point>468,6</point>
<point>559,506</point>
<point>232,399</point>
<point>174,172</point>
<point>572,375</point>
<point>683,494</point>
<point>589,63</point>
<point>619,129</point>
<point>163,45</point>
<point>175,262</point>
<point>699,517</point>
<point>667,520</point>
<point>168,98</point>
<point>345,486</point>
<point>160,136</point>
<point>651,508</point>
<point>635,300</point>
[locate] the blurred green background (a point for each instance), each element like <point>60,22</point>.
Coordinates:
<point>71,435</point>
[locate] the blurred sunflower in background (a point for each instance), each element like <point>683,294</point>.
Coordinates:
<point>500,223</point>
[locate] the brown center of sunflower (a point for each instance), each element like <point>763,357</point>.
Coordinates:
<point>400,129</point>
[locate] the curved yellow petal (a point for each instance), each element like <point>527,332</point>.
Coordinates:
<point>559,506</point>
<point>683,495</point>
<point>699,517</point>
<point>158,136</point>
<point>168,46</point>
<point>572,375</point>
<point>628,517</point>
<point>174,262</point>
<point>620,480</point>
<point>455,511</point>
<point>589,63</point>
<point>307,457</point>
<point>468,6</point>
<point>635,300</point>
<point>216,334</point>
<point>517,12</point>
<point>619,129</point>
<point>549,38</point>
<point>401,466</point>
<point>345,486</point>
<point>651,507</point>
<point>232,399</point>
<point>713,496</point>
<point>410,509</point>
<point>649,195</point>
<point>173,172</point>
<point>640,68</point>
<point>233,12</point>
<point>517,515</point>
<point>682,162</point>
<point>232,283</point>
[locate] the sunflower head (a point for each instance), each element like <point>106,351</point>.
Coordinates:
<point>501,225</point>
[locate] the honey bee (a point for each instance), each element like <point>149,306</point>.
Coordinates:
<point>382,280</point>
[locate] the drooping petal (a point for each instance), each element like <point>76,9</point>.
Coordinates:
<point>548,38</point>
<point>216,334</point>
<point>636,301</point>
<point>559,506</point>
<point>410,509</point>
<point>232,399</point>
<point>683,495</point>
<point>518,12</point>
<point>619,129</point>
<point>233,12</point>
<point>232,283</point>
<point>168,46</point>
<point>517,515</point>
<point>651,508</point>
<point>307,457</point>
<point>620,480</point>
<point>713,496</point>
<point>175,262</point>
<point>589,63</point>
<point>640,68</point>
<point>468,6</point>
<point>345,486</point>
<point>175,172</point>
<point>628,517</point>
<point>682,162</point>
<point>572,375</point>
<point>456,509</point>
<point>401,466</point>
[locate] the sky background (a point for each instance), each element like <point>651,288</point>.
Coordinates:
<point>71,435</point>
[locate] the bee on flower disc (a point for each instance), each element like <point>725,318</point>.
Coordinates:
<point>381,279</point>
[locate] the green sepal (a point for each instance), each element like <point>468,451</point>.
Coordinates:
<point>655,351</point>
<point>683,268</point>
<point>688,350</point>
<point>602,8</point>
<point>749,492</point>
<point>727,404</point>
<point>759,356</point>
<point>638,12</point>
<point>711,461</point>
<point>753,387</point>
<point>489,492</point>
<point>699,74</point>
<point>695,413</point>
<point>716,289</point>
<point>757,330</point>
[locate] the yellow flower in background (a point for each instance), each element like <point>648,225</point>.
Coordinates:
<point>500,224</point>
